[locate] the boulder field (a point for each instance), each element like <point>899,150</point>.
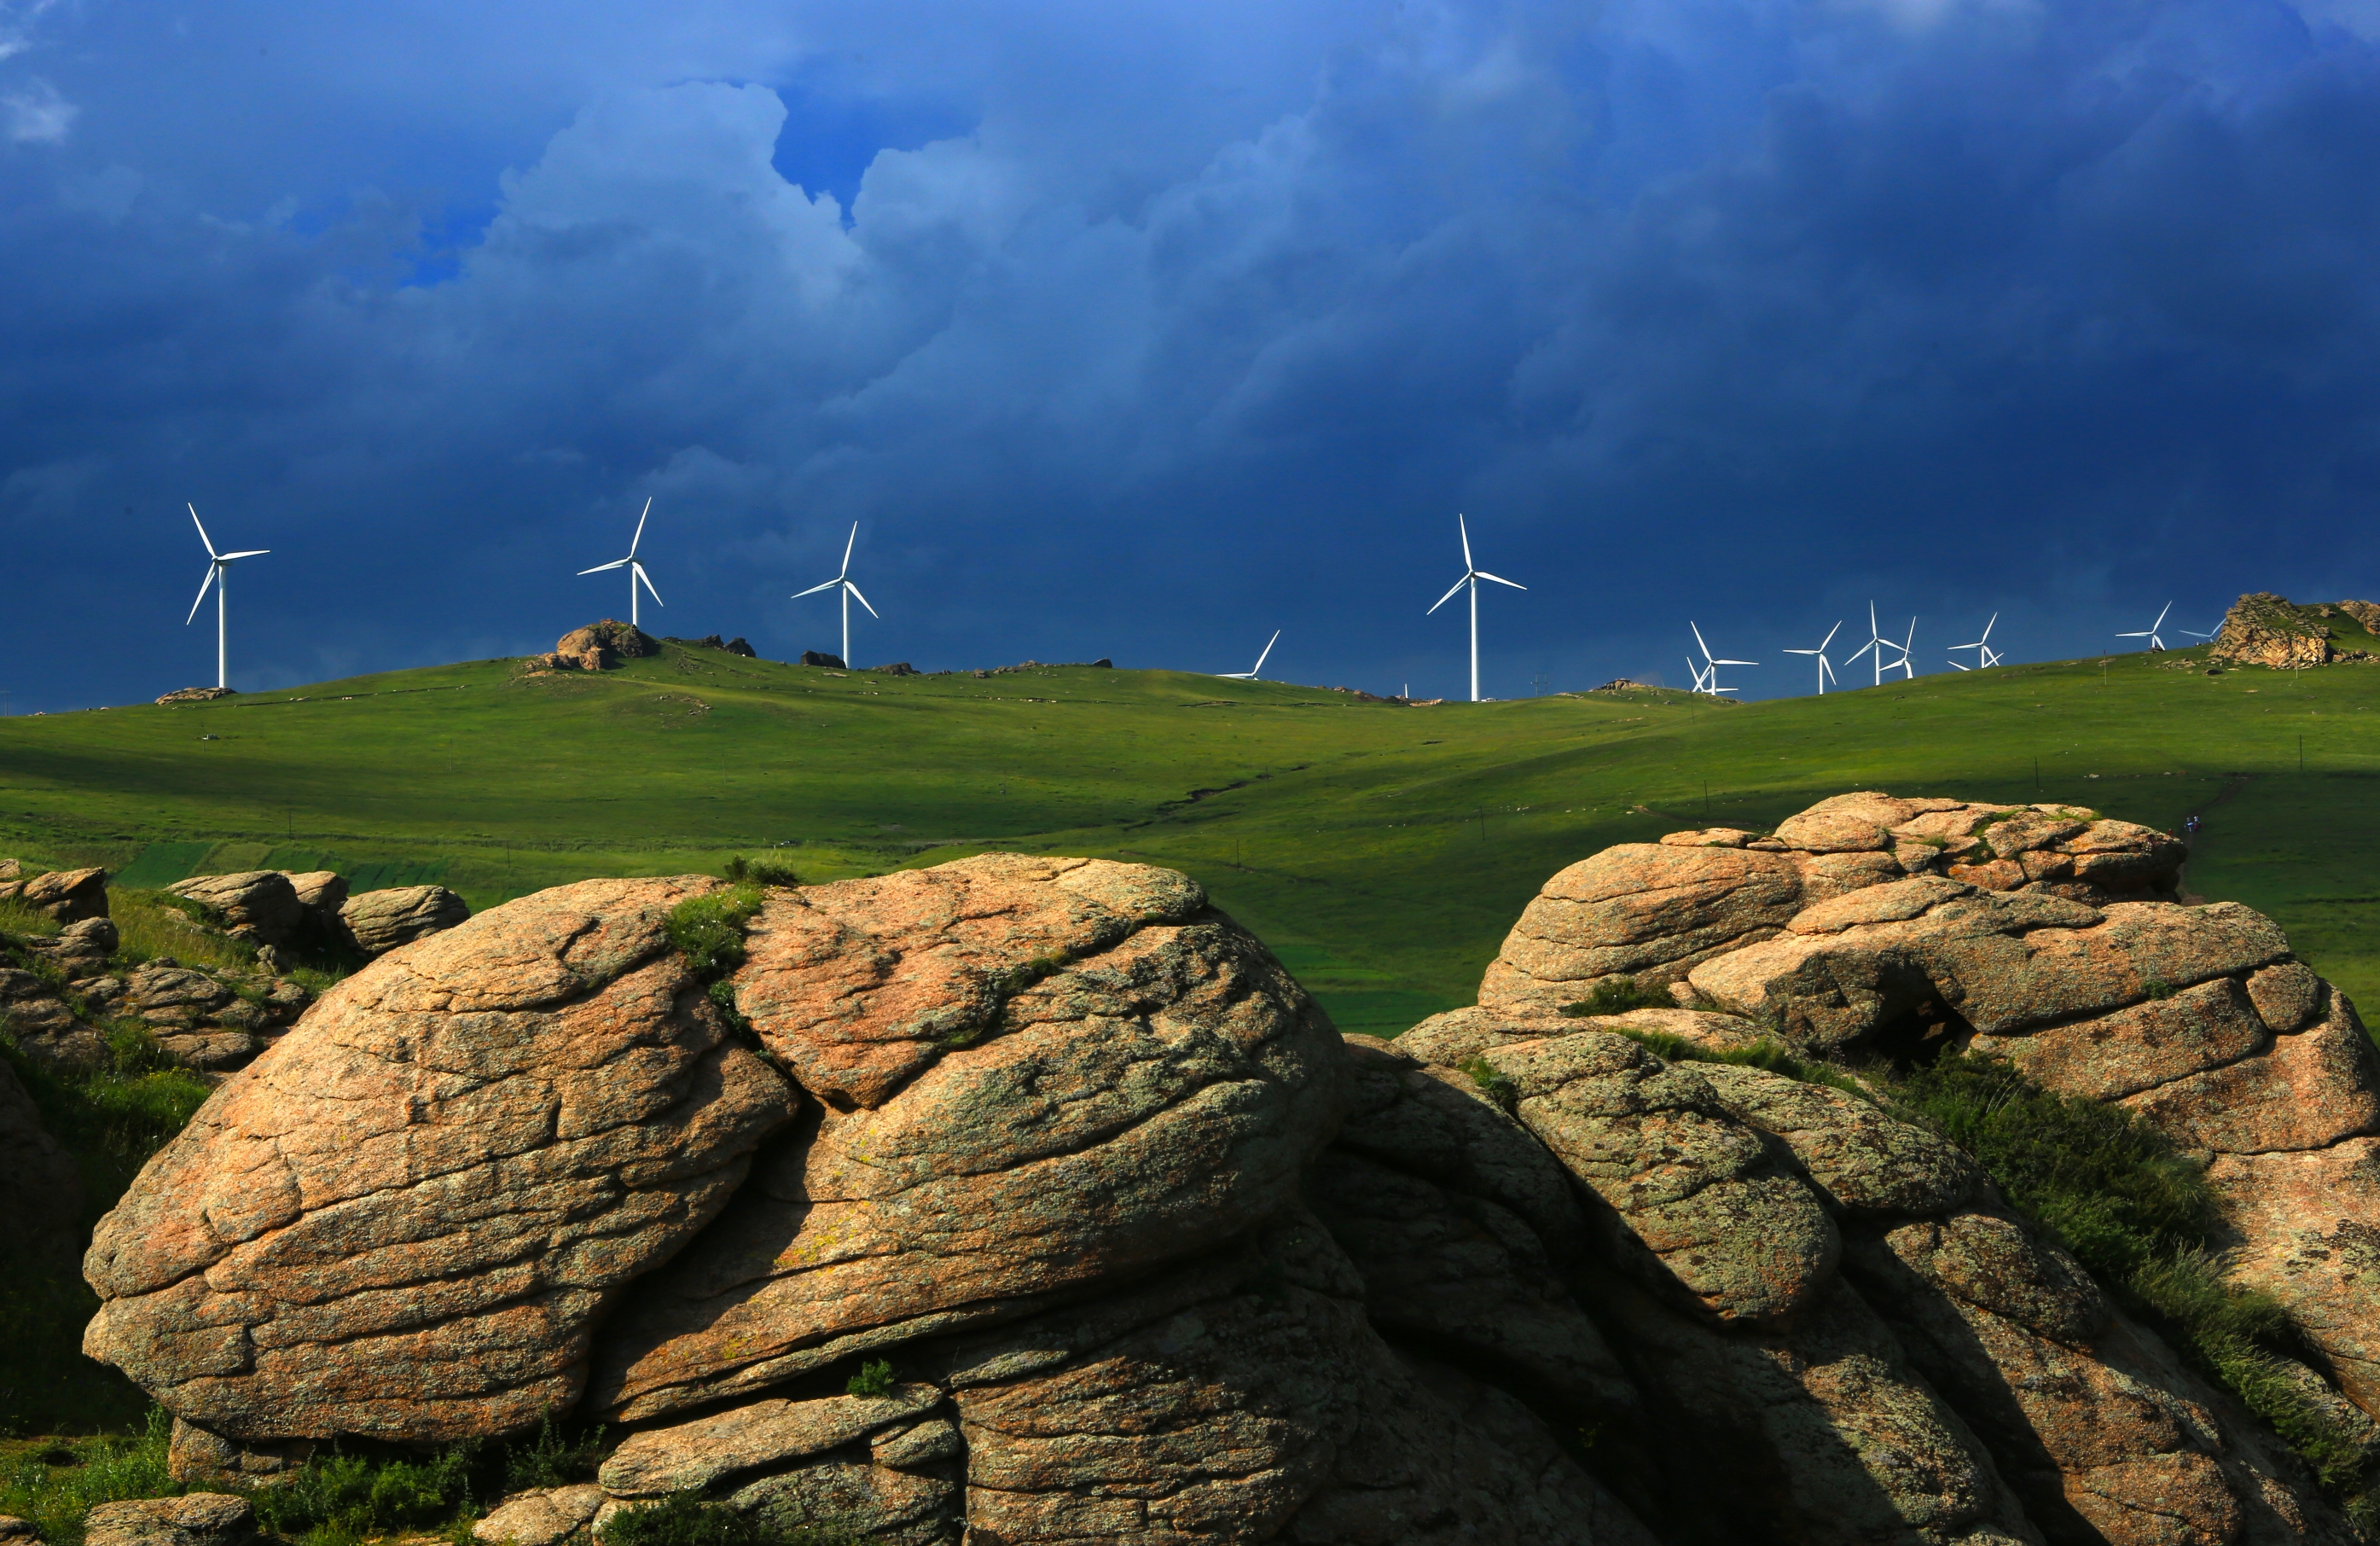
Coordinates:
<point>1025,1201</point>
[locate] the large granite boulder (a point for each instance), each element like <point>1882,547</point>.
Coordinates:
<point>1033,1075</point>
<point>406,1219</point>
<point>379,922</point>
<point>259,906</point>
<point>65,896</point>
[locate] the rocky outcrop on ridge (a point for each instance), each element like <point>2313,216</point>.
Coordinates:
<point>195,695</point>
<point>260,906</point>
<point>2262,629</point>
<point>1150,1254</point>
<point>597,647</point>
<point>64,896</point>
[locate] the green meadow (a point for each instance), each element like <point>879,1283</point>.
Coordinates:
<point>1382,850</point>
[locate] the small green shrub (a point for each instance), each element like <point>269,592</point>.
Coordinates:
<point>709,930</point>
<point>344,1496</point>
<point>875,1378</point>
<point>1494,1082</point>
<point>553,1457</point>
<point>761,871</point>
<point>2159,988</point>
<point>1617,995</point>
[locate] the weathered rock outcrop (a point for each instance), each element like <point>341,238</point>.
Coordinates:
<point>379,922</point>
<point>405,1219</point>
<point>2265,629</point>
<point>1156,1256</point>
<point>64,896</point>
<point>259,906</point>
<point>597,647</point>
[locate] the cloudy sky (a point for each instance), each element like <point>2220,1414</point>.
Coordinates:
<point>1142,330</point>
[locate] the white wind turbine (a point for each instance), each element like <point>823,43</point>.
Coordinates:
<point>1826,672</point>
<point>1985,656</point>
<point>843,579</point>
<point>218,565</point>
<point>1250,674</point>
<point>1877,644</point>
<point>2150,633</point>
<point>1706,679</point>
<point>1472,575</point>
<point>633,566</point>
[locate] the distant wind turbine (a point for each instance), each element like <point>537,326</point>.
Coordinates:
<point>2202,637</point>
<point>633,566</point>
<point>218,566</point>
<point>1472,575</point>
<point>2150,633</point>
<point>1826,672</point>
<point>1706,679</point>
<point>1877,644</point>
<point>1985,656</point>
<point>842,581</point>
<point>1250,674</point>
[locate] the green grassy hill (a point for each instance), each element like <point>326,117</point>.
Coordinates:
<point>1382,850</point>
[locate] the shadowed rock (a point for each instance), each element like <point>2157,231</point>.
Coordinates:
<point>260,906</point>
<point>404,1219</point>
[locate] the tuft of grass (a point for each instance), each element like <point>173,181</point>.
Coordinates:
<point>1767,1053</point>
<point>55,1487</point>
<point>683,1519</point>
<point>2144,1221</point>
<point>709,930</point>
<point>1617,995</point>
<point>760,871</point>
<point>1494,1082</point>
<point>875,1378</point>
<point>153,923</point>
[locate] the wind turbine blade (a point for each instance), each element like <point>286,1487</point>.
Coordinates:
<point>847,543</point>
<point>824,585</point>
<point>1450,595</point>
<point>1872,630</point>
<point>640,530</point>
<point>637,572</point>
<point>601,567</point>
<point>1465,529</point>
<point>1499,580</point>
<point>1824,642</point>
<point>2160,622</point>
<point>1267,650</point>
<point>212,572</point>
<point>203,527</point>
<point>2131,636</point>
<point>1861,650</point>
<point>1801,652</point>
<point>1735,662</point>
<point>1826,672</point>
<point>1699,639</point>
<point>252,552</point>
<point>860,599</point>
<point>1956,666</point>
<point>1987,626</point>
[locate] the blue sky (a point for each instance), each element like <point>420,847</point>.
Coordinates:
<point>1144,331</point>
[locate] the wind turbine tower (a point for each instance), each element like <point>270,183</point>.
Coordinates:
<point>1250,674</point>
<point>218,566</point>
<point>1826,672</point>
<point>1706,679</point>
<point>633,566</point>
<point>842,581</point>
<point>2150,633</point>
<point>1472,575</point>
<point>1985,656</point>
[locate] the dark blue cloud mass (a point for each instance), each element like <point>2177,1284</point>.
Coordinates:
<point>1144,331</point>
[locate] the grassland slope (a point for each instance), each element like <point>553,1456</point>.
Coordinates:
<point>1382,849</point>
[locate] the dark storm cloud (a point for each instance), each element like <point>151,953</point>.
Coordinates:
<point>1142,333</point>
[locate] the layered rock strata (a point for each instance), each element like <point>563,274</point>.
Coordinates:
<point>1156,1256</point>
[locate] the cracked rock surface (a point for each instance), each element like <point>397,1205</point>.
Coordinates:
<point>1155,1256</point>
